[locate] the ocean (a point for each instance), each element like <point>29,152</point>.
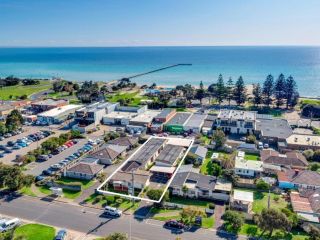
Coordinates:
<point>111,63</point>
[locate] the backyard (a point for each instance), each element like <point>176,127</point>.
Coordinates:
<point>253,157</point>
<point>34,232</point>
<point>7,93</point>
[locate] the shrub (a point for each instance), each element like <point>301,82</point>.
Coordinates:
<point>212,206</point>
<point>276,198</point>
<point>308,154</point>
<point>119,201</point>
<point>316,156</point>
<point>262,185</point>
<point>154,194</point>
<point>251,139</point>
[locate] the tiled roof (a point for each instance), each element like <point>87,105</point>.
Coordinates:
<point>85,168</point>
<point>124,141</point>
<point>106,153</point>
<point>300,177</point>
<point>290,159</point>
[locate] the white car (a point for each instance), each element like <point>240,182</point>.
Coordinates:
<point>9,224</point>
<point>112,211</point>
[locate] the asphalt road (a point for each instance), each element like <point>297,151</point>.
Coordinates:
<point>36,168</point>
<point>89,221</point>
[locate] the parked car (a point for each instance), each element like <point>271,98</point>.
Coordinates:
<point>260,145</point>
<point>61,235</point>
<point>1,138</point>
<point>39,178</point>
<point>10,224</point>
<point>43,158</point>
<point>112,211</point>
<point>266,145</point>
<point>16,147</point>
<point>1,155</point>
<point>174,224</point>
<point>48,172</point>
<point>10,143</point>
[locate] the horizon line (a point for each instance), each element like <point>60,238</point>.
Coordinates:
<point>150,46</point>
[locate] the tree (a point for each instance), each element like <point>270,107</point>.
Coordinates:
<point>12,178</point>
<point>316,156</point>
<point>227,161</point>
<point>154,194</point>
<point>3,128</point>
<point>216,169</point>
<point>188,214</point>
<point>200,93</point>
<point>272,219</point>
<point>308,154</point>
<point>234,218</point>
<point>291,94</point>
<point>116,236</point>
<point>229,90</point>
<point>220,89</point>
<point>58,86</point>
<point>279,90</point>
<point>268,90</point>
<point>251,139</point>
<point>89,92</point>
<point>240,91</point>
<point>262,185</point>
<point>257,94</point>
<point>219,137</point>
<point>14,120</point>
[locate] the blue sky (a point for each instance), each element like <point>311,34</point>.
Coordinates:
<point>159,22</point>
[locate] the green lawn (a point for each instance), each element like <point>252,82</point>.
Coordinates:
<point>27,191</point>
<point>134,97</point>
<point>34,232</point>
<point>189,202</point>
<point>304,102</point>
<point>208,222</point>
<point>66,193</point>
<point>85,184</point>
<point>254,157</point>
<point>19,90</point>
<point>252,230</point>
<point>205,167</point>
<point>45,190</point>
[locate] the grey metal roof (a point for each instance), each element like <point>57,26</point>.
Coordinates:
<point>196,120</point>
<point>148,150</point>
<point>169,154</point>
<point>208,123</point>
<point>164,113</point>
<point>199,151</point>
<point>278,128</point>
<point>179,119</point>
<point>200,181</point>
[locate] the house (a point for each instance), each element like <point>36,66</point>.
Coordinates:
<point>236,121</point>
<point>306,204</point>
<point>242,201</point>
<point>108,153</point>
<point>208,124</point>
<point>272,131</point>
<point>301,142</point>
<point>59,114</point>
<point>195,123</point>
<point>196,185</point>
<point>145,156</point>
<point>122,181</point>
<point>169,156</point>
<point>176,124</point>
<point>247,168</point>
<point>292,159</point>
<point>198,152</point>
<point>128,142</point>
<point>84,171</point>
<point>298,179</point>
<point>48,104</point>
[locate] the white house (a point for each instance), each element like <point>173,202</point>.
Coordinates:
<point>247,168</point>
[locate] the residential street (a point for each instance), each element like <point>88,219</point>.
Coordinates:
<point>89,221</point>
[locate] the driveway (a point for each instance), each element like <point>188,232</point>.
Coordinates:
<point>218,213</point>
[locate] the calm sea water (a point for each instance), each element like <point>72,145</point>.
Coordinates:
<point>106,64</point>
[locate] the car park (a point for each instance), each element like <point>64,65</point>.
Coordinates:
<point>10,143</point>
<point>48,172</point>
<point>1,138</point>
<point>16,147</point>
<point>61,235</point>
<point>56,166</point>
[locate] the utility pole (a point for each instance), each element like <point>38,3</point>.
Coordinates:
<point>132,201</point>
<point>269,200</point>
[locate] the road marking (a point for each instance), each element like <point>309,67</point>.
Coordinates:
<point>154,222</point>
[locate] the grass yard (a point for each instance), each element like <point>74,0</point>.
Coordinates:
<point>304,102</point>
<point>45,190</point>
<point>133,97</point>
<point>34,232</point>
<point>85,184</point>
<point>27,191</point>
<point>252,230</point>
<point>208,222</point>
<point>205,165</point>
<point>189,202</point>
<point>19,90</point>
<point>66,193</point>
<point>254,157</point>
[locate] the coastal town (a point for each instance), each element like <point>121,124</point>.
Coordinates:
<point>88,160</point>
